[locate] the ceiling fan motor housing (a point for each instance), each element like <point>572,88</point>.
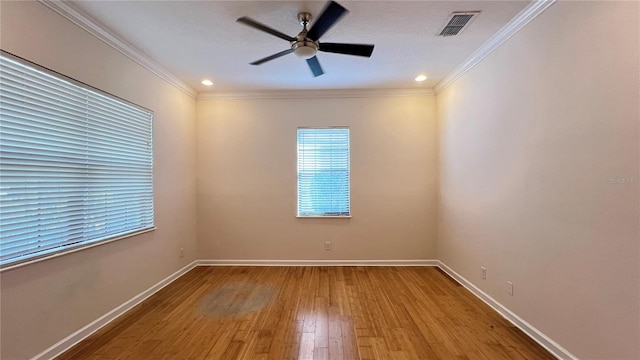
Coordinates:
<point>304,47</point>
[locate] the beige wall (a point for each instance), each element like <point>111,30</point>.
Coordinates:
<point>44,302</point>
<point>247,179</point>
<point>529,141</point>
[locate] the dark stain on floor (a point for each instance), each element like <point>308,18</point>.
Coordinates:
<point>237,298</point>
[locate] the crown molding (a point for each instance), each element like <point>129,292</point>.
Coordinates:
<point>100,31</point>
<point>535,8</point>
<point>92,26</point>
<point>315,94</point>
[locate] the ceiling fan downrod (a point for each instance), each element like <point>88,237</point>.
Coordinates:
<point>304,47</point>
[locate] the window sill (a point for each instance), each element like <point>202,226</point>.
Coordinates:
<point>69,250</point>
<point>323,217</point>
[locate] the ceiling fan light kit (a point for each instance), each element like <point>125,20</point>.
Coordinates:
<point>306,44</point>
<point>303,47</point>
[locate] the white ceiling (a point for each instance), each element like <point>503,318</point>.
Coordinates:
<point>201,39</point>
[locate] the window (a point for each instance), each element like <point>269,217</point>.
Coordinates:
<point>323,172</point>
<point>76,164</point>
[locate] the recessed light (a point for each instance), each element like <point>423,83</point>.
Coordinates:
<point>206,82</point>
<point>421,77</point>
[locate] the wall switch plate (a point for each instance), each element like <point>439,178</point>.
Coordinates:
<point>327,245</point>
<point>484,272</point>
<point>510,288</point>
<point>181,252</point>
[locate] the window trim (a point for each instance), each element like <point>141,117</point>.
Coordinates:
<point>298,216</point>
<point>72,249</point>
<point>69,249</point>
<point>324,217</point>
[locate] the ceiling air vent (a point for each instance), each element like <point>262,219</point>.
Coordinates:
<point>457,21</point>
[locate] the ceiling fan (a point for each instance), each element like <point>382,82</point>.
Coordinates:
<point>306,44</point>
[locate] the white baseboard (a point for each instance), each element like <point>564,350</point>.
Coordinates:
<point>214,262</point>
<point>71,340</point>
<point>554,348</point>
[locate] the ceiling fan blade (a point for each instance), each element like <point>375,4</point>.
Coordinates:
<point>315,67</point>
<point>254,24</point>
<point>347,49</point>
<point>331,14</point>
<point>274,56</point>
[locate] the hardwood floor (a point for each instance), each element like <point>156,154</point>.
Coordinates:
<point>310,313</point>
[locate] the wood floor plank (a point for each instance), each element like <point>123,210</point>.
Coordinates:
<point>307,345</point>
<point>308,313</point>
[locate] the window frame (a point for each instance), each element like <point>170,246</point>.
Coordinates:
<point>298,215</point>
<point>87,243</point>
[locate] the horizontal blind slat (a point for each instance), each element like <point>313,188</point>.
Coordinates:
<point>323,172</point>
<point>76,166</point>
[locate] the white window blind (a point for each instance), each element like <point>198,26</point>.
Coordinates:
<point>76,165</point>
<point>323,172</point>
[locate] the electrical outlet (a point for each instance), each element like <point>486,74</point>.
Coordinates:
<point>327,245</point>
<point>484,272</point>
<point>181,252</point>
<point>510,288</point>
